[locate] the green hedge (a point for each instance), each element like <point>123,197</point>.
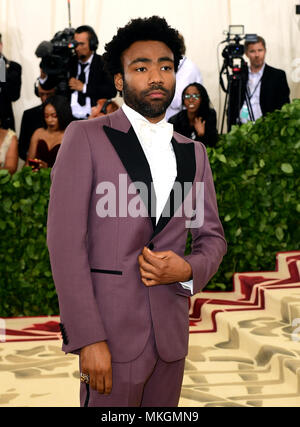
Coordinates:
<point>256,173</point>
<point>256,170</point>
<point>26,285</point>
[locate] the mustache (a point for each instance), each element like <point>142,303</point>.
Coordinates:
<point>155,87</point>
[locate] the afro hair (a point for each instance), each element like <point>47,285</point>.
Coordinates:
<point>154,28</point>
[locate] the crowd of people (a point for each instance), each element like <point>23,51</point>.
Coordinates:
<point>89,95</point>
<point>91,91</point>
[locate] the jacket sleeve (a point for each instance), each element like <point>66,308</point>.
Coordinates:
<point>283,90</point>
<point>209,244</point>
<point>210,137</point>
<point>14,81</point>
<point>67,241</point>
<point>25,136</point>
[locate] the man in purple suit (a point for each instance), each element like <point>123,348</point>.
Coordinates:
<point>125,191</point>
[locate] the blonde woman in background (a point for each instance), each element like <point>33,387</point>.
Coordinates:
<point>8,150</point>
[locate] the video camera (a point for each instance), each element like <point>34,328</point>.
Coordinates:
<point>234,48</point>
<point>235,69</point>
<point>56,56</point>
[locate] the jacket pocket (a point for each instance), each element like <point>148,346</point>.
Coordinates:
<point>96,270</point>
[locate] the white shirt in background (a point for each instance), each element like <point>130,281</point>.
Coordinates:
<point>187,73</point>
<point>82,111</point>
<point>253,87</point>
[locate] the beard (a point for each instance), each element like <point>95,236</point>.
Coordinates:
<point>148,108</point>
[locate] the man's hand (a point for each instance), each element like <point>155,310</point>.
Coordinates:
<point>75,84</point>
<point>95,361</point>
<point>162,268</point>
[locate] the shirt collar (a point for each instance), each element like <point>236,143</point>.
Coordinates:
<point>133,116</point>
<point>259,73</point>
<point>147,131</point>
<point>89,61</point>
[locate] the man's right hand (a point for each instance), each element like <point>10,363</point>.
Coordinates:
<point>95,361</point>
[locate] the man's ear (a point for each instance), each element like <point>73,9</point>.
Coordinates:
<point>118,78</point>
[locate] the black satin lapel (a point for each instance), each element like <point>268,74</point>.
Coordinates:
<point>134,161</point>
<point>186,170</point>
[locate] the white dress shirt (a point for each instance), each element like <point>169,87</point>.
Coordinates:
<point>155,140</point>
<point>82,111</point>
<point>187,73</point>
<point>253,87</point>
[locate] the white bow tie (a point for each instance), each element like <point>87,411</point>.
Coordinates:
<point>149,132</point>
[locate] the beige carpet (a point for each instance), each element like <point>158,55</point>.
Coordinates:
<point>244,348</point>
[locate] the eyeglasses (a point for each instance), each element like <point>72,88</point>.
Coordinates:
<point>193,95</point>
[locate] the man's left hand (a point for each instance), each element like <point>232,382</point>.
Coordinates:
<point>76,84</point>
<point>162,268</point>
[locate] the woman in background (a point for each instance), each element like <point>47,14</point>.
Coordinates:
<point>46,141</point>
<point>8,150</point>
<point>198,120</point>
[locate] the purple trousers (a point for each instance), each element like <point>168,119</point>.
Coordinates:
<point>146,381</point>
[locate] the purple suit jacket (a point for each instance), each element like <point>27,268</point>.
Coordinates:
<point>95,260</point>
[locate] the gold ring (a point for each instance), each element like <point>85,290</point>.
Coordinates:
<point>84,378</point>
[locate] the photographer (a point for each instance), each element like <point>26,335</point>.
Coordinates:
<point>10,90</point>
<point>88,80</point>
<point>266,86</point>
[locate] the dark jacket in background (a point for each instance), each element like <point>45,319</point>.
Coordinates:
<point>274,93</point>
<point>32,119</point>
<point>10,92</point>
<point>99,85</point>
<point>181,125</point>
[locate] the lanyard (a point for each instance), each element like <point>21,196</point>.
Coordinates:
<point>248,90</point>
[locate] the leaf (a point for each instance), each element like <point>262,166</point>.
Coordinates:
<point>287,168</point>
<point>227,218</point>
<point>238,232</point>
<point>279,233</point>
<point>17,184</point>
<point>28,180</point>
<point>222,158</point>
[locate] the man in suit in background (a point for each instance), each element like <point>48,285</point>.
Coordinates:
<point>32,119</point>
<point>117,230</point>
<point>89,81</point>
<point>266,87</point>
<point>10,90</point>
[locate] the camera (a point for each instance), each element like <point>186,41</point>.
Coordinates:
<point>56,56</point>
<point>235,69</point>
<point>234,48</point>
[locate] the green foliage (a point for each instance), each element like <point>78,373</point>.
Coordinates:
<point>256,169</point>
<point>257,179</point>
<point>26,285</point>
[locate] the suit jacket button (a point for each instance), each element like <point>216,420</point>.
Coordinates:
<point>151,246</point>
